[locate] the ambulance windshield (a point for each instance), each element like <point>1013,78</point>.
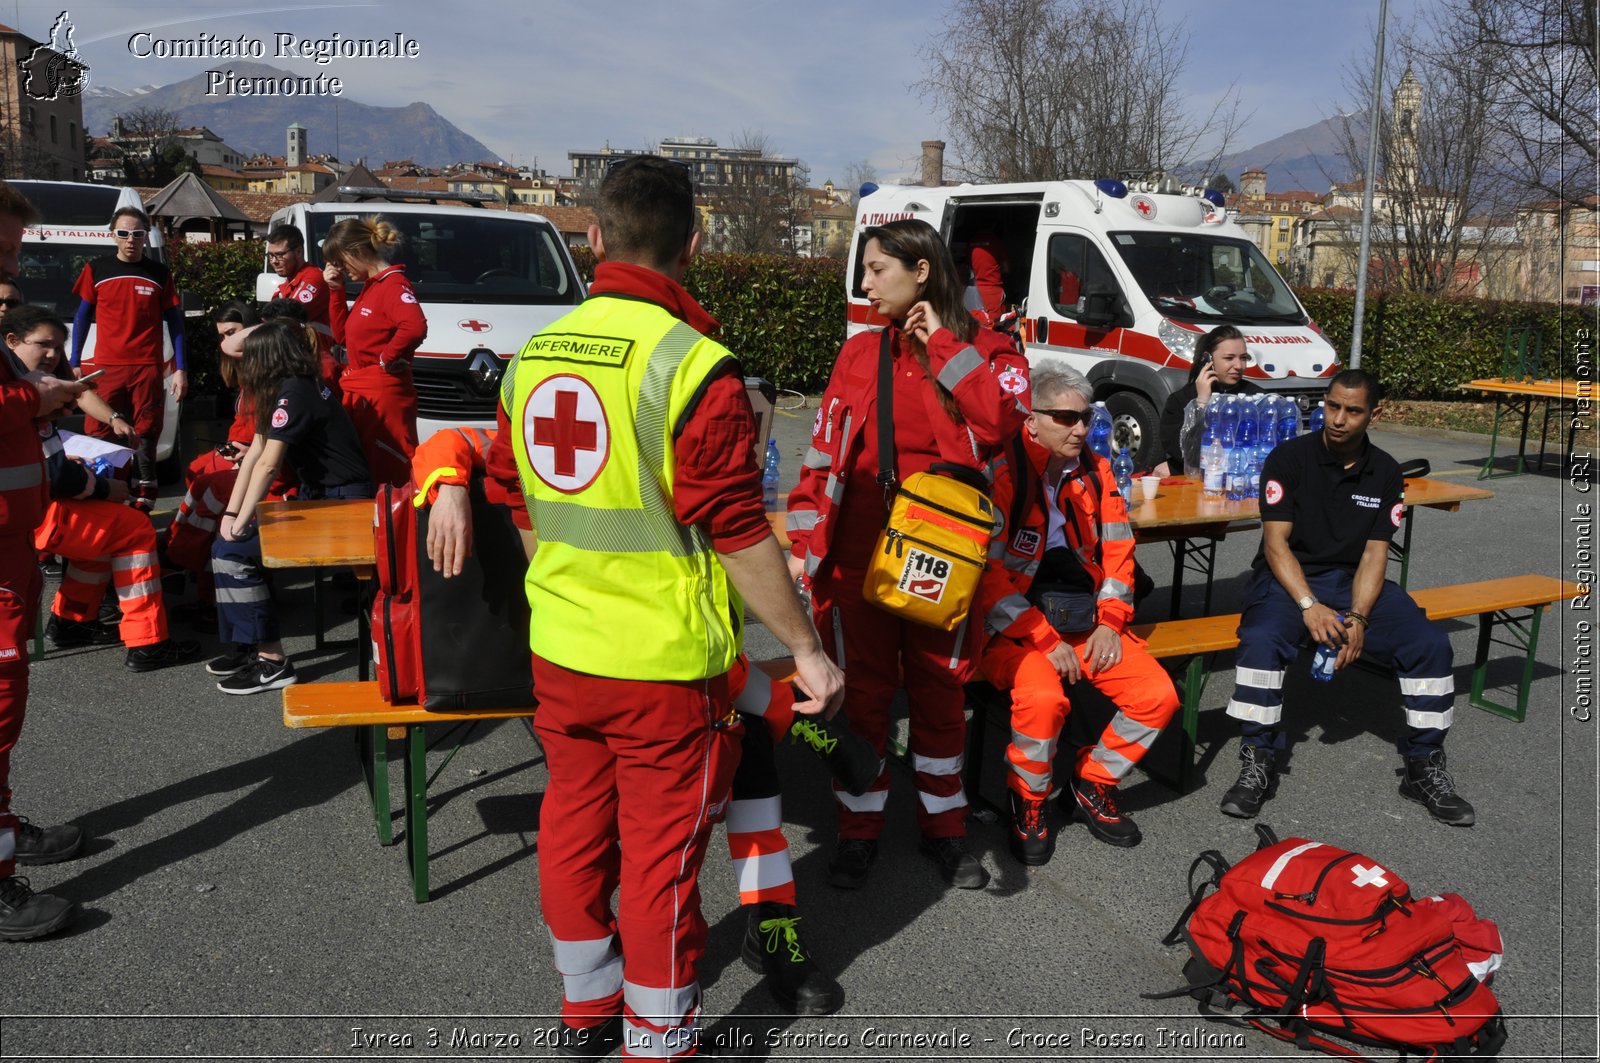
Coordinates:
<point>1207,278</point>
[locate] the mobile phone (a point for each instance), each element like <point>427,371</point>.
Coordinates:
<point>91,376</point>
<point>1201,362</point>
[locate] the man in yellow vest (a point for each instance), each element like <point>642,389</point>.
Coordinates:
<point>634,450</point>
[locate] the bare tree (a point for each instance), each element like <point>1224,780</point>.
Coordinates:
<point>1047,89</point>
<point>760,208</point>
<point>857,174</point>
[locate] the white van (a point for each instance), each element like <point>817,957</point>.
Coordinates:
<point>74,229</point>
<point>486,279</point>
<point>1119,281</point>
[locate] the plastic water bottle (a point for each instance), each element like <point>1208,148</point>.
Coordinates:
<point>1267,424</point>
<point>769,477</point>
<point>1253,475</point>
<point>1322,663</point>
<point>1288,420</point>
<point>1122,469</point>
<point>1244,436</point>
<point>1238,474</point>
<point>1230,422</point>
<point>1100,431</point>
<point>1214,460</point>
<point>1314,424</point>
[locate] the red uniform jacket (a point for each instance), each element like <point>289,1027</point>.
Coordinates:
<point>24,492</point>
<point>385,323</point>
<point>989,381</point>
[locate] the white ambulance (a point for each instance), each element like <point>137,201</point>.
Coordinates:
<point>1119,280</point>
<point>487,279</point>
<point>74,229</point>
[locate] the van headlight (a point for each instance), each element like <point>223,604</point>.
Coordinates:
<point>1180,341</point>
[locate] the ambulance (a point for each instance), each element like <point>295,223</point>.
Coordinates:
<point>487,279</point>
<point>1119,280</point>
<point>75,228</point>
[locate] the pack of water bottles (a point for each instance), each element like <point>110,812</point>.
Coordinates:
<point>1240,431</point>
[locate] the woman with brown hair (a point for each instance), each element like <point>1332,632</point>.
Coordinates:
<point>958,393</point>
<point>380,331</point>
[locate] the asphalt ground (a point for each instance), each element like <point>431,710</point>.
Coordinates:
<point>236,903</point>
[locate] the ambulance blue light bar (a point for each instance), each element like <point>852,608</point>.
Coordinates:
<point>1114,189</point>
<point>1214,197</point>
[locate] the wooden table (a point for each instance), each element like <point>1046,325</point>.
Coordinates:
<point>325,534</point>
<point>1519,397</point>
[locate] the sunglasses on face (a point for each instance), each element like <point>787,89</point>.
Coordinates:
<point>1065,418</point>
<point>9,303</point>
<point>131,234</point>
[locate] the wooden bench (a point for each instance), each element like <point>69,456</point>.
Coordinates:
<point>1514,604</point>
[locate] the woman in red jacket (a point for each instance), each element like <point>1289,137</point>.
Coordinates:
<point>380,331</point>
<point>957,391</point>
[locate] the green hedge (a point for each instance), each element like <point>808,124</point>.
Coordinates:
<point>213,273</point>
<point>1425,347</point>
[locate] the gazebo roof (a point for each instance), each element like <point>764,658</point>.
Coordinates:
<point>188,198</point>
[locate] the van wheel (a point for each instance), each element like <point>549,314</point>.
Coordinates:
<point>1136,425</point>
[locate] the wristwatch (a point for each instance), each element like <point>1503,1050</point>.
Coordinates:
<point>1306,603</point>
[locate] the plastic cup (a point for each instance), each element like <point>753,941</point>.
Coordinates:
<point>1148,486</point>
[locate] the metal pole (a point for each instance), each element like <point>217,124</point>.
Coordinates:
<point>1374,117</point>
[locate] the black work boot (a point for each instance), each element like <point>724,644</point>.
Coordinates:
<point>772,946</point>
<point>47,845</point>
<point>25,915</point>
<point>1096,804</point>
<point>1258,780</point>
<point>958,866</point>
<point>1428,783</point>
<point>851,758</point>
<point>1031,839</point>
<point>589,1042</point>
<point>65,634</point>
<point>851,862</point>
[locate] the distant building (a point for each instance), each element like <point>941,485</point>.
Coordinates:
<point>40,137</point>
<point>832,223</point>
<point>713,167</point>
<point>1560,244</point>
<point>296,172</point>
<point>1269,217</point>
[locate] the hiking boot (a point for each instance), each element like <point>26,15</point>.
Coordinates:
<point>46,845</point>
<point>66,634</point>
<point>1428,783</point>
<point>851,861</point>
<point>1258,780</point>
<point>232,663</point>
<point>1096,806</point>
<point>25,915</point>
<point>259,676</point>
<point>852,760</point>
<point>163,654</point>
<point>589,1042</point>
<point>959,867</point>
<point>772,946</point>
<point>110,612</point>
<point>1031,839</point>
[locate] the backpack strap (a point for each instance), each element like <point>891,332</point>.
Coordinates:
<point>887,477</point>
<point>1266,837</point>
<point>1219,867</point>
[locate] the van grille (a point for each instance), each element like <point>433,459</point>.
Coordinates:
<point>445,392</point>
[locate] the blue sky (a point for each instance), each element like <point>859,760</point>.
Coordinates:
<point>826,82</point>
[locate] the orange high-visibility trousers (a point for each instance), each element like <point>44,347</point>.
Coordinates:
<point>756,843</point>
<point>103,541</point>
<point>1137,685</point>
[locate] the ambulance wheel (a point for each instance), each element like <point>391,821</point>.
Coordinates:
<point>1135,424</point>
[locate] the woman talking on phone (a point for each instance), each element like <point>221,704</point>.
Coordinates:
<point>1219,362</point>
<point>957,394</point>
<point>380,331</point>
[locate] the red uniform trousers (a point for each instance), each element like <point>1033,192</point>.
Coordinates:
<point>194,528</point>
<point>19,607</point>
<point>756,843</point>
<point>136,392</point>
<point>879,653</point>
<point>384,409</point>
<point>638,772</point>
<point>208,463</point>
<point>1137,685</point>
<point>106,541</point>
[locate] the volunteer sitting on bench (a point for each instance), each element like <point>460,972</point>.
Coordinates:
<point>298,419</point>
<point>1057,599</point>
<point>1330,504</point>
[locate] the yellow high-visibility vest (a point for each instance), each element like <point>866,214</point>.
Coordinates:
<point>617,586</point>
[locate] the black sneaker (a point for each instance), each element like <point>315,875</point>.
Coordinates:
<point>46,845</point>
<point>589,1042</point>
<point>163,654</point>
<point>260,675</point>
<point>110,612</point>
<point>232,663</point>
<point>1097,808</point>
<point>1258,780</point>
<point>851,758</point>
<point>772,946</point>
<point>53,567</point>
<point>1428,783</point>
<point>1031,839</point>
<point>25,915</point>
<point>851,861</point>
<point>959,867</point>
<point>65,634</point>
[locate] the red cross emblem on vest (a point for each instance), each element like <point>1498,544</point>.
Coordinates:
<point>565,430</point>
<point>472,324</point>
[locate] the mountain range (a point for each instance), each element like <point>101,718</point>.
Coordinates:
<point>1307,158</point>
<point>340,126</point>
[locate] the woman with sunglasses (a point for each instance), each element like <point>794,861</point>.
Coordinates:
<point>957,396</point>
<point>1218,368</point>
<point>380,331</point>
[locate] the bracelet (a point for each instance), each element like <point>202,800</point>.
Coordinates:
<point>225,514</point>
<point>1351,614</point>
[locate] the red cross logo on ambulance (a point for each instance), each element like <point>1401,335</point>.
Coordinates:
<point>1145,206</point>
<point>565,430</point>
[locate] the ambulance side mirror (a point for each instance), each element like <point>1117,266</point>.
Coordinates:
<point>1098,309</point>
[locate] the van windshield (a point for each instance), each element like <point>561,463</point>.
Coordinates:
<point>71,204</point>
<point>1207,278</point>
<point>453,258</point>
<point>50,269</point>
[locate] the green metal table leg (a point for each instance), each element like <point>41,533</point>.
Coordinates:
<point>1524,637</point>
<point>417,809</point>
<point>372,748</point>
<point>1500,404</point>
<point>1194,683</point>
